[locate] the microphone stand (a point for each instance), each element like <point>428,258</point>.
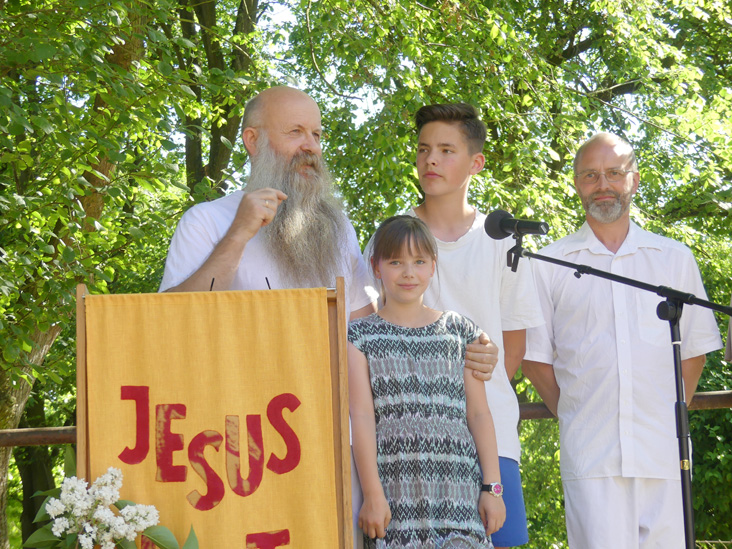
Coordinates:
<point>669,310</point>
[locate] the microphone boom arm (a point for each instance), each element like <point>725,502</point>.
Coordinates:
<point>663,291</point>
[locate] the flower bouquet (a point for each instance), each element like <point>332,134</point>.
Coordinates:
<point>82,517</point>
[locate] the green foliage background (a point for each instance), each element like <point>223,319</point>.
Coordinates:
<point>117,116</point>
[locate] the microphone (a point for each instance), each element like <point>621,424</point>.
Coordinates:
<point>500,224</point>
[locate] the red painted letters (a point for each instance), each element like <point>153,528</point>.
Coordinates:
<point>268,540</point>
<point>168,442</point>
<point>255,445</point>
<point>274,415</point>
<point>141,396</point>
<point>213,481</point>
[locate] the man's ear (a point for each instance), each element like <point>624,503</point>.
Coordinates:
<point>249,136</point>
<point>636,183</point>
<point>478,163</point>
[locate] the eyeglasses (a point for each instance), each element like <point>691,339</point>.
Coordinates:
<point>612,176</point>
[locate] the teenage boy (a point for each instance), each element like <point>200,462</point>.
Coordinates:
<point>474,280</point>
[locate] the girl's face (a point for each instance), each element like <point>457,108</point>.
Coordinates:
<point>405,277</point>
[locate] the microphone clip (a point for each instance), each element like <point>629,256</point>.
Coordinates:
<point>515,253</point>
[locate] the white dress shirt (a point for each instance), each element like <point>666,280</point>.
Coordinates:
<point>612,355</point>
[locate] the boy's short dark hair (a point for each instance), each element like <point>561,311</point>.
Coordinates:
<point>463,114</point>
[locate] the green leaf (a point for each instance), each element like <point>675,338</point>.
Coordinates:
<point>137,233</point>
<point>68,254</point>
<point>42,515</point>
<point>126,544</point>
<point>162,537</point>
<point>43,124</point>
<point>188,90</point>
<point>42,51</point>
<point>185,43</point>
<point>42,538</point>
<point>180,185</point>
<point>11,353</point>
<point>122,503</point>
<point>53,376</point>
<point>69,461</point>
<point>191,541</point>
<point>165,68</point>
<point>53,492</point>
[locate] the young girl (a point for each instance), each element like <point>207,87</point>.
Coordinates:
<point>420,424</point>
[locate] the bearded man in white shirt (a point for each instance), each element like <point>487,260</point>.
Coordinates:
<point>286,228</point>
<point>603,361</point>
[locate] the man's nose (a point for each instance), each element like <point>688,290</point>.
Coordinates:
<point>311,144</point>
<point>602,181</point>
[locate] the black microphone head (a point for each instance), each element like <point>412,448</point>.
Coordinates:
<point>493,227</point>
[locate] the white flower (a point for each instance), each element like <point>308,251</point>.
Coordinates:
<point>106,488</point>
<point>90,530</point>
<point>86,541</point>
<point>59,526</point>
<point>54,508</point>
<point>75,497</point>
<point>103,515</point>
<point>117,527</point>
<point>86,511</point>
<point>140,517</point>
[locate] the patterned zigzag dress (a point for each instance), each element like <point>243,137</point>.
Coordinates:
<point>426,456</point>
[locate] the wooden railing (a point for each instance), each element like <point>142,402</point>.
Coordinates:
<point>712,400</point>
<point>67,435</point>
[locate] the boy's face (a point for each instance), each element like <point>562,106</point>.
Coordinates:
<point>444,160</point>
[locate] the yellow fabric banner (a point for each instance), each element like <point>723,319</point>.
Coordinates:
<point>217,408</point>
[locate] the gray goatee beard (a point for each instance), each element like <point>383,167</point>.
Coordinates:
<point>306,236</point>
<point>605,212</point>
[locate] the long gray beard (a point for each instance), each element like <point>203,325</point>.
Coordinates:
<point>307,235</point>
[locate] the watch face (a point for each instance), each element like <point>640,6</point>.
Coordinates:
<point>497,489</point>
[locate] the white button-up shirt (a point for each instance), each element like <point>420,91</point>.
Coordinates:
<point>612,355</point>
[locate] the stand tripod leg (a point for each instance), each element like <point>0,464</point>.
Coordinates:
<point>671,310</point>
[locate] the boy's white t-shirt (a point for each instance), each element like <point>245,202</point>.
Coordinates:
<point>473,279</point>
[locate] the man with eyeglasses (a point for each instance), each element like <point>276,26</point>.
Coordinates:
<point>603,361</point>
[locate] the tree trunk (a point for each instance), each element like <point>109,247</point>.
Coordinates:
<point>35,466</point>
<point>14,393</point>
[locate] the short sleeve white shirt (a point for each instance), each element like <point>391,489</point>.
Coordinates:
<point>204,225</point>
<point>612,355</point>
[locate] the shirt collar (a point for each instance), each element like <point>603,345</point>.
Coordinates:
<point>585,239</point>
